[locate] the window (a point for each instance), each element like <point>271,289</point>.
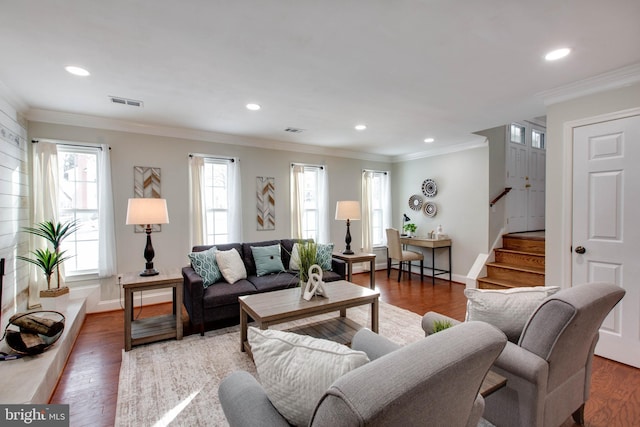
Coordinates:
<point>216,214</point>
<point>376,208</point>
<point>78,200</point>
<point>537,139</point>
<point>308,202</point>
<point>517,133</point>
<point>216,201</point>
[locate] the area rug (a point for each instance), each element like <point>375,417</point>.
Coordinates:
<point>176,382</point>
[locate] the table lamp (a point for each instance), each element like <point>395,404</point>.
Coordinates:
<point>349,210</point>
<point>147,211</point>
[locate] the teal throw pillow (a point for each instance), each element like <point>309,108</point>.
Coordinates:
<point>204,263</point>
<point>323,255</point>
<point>268,259</point>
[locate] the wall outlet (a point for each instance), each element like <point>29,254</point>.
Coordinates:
<point>119,276</point>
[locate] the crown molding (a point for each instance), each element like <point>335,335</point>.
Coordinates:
<point>483,142</point>
<point>82,120</point>
<point>610,80</point>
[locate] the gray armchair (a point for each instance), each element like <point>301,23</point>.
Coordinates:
<point>548,371</point>
<point>434,381</point>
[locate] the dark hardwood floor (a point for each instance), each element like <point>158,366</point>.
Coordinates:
<point>89,383</point>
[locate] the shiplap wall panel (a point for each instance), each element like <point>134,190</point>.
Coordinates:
<point>14,212</point>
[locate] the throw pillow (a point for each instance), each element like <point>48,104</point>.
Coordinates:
<point>508,310</point>
<point>296,370</point>
<point>268,259</point>
<point>204,263</point>
<point>324,255</point>
<point>295,256</point>
<point>231,265</point>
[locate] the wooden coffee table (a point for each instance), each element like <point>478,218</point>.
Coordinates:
<point>275,307</point>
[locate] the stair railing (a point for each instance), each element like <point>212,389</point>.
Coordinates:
<point>500,196</point>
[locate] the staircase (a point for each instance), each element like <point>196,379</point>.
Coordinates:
<point>519,263</point>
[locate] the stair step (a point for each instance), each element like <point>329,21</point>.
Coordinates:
<point>525,259</point>
<point>491,283</point>
<point>523,276</point>
<point>525,244</point>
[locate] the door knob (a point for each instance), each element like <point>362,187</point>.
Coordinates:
<point>580,250</point>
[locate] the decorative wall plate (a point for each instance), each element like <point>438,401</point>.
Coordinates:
<point>429,188</point>
<point>415,202</point>
<point>430,209</point>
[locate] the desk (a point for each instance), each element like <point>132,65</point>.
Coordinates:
<point>155,328</point>
<point>432,244</point>
<point>359,257</point>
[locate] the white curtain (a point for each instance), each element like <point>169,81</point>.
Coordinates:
<point>323,206</point>
<point>107,235</point>
<point>196,190</point>
<point>386,205</point>
<point>234,188</point>
<point>297,199</point>
<point>367,211</point>
<point>45,208</point>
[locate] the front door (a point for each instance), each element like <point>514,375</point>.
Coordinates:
<point>606,226</point>
<point>526,162</point>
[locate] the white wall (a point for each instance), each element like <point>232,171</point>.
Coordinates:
<point>170,154</point>
<point>14,209</point>
<point>558,199</point>
<point>462,179</point>
<point>497,178</point>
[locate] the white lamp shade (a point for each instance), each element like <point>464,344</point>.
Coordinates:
<point>147,211</point>
<point>348,209</point>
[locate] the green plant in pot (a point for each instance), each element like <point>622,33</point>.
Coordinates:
<point>410,228</point>
<point>47,260</point>
<point>307,251</point>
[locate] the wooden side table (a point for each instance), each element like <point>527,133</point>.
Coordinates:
<point>359,257</point>
<point>155,328</point>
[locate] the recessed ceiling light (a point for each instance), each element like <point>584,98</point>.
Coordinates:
<point>77,71</point>
<point>557,54</point>
<point>361,127</point>
<point>253,107</point>
<point>429,140</point>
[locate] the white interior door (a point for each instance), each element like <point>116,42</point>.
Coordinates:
<point>606,226</point>
<point>517,177</point>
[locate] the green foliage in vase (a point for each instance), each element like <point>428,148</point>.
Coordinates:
<point>307,251</point>
<point>410,227</point>
<point>441,325</point>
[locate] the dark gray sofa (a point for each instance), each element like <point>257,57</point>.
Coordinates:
<point>219,302</point>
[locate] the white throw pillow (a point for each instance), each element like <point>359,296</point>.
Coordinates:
<point>508,310</point>
<point>231,265</point>
<point>296,370</point>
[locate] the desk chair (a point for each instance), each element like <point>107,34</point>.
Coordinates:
<point>395,252</point>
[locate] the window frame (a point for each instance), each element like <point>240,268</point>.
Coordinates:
<point>63,213</point>
<point>210,237</point>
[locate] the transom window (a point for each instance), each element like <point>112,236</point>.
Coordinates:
<point>517,134</point>
<point>537,139</point>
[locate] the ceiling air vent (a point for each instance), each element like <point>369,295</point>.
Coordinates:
<point>293,130</point>
<point>125,101</point>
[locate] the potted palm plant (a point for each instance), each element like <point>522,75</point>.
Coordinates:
<point>47,260</point>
